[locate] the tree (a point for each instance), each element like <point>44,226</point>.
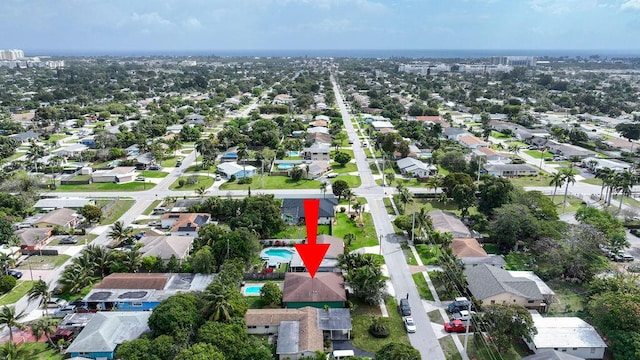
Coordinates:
<point>367,282</point>
<point>398,351</point>
<point>75,277</point>
<point>223,301</point>
<point>35,153</point>
<point>91,212</point>
<point>138,349</point>
<point>512,222</point>
<point>44,326</point>
<point>557,180</point>
<point>11,351</point>
<point>323,188</point>
<point>271,294</point>
<point>494,192</point>
<point>202,261</point>
<point>11,319</point>
<point>630,131</point>
<point>616,314</point>
<point>229,338</point>
<point>177,314</point>
<point>569,178</point>
<point>40,290</point>
<point>507,323</point>
<point>624,182</point>
<point>201,191</point>
<point>433,182</point>
<point>242,155</point>
<point>338,187</point>
<point>453,161</point>
<point>296,173</point>
<point>200,351</point>
<point>119,232</point>
<point>465,197</point>
<point>7,282</point>
<point>454,179</point>
<point>342,158</point>
<point>405,196</point>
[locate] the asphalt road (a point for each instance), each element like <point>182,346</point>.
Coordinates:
<point>424,339</point>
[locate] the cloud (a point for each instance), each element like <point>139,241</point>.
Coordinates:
<point>148,19</point>
<point>192,23</point>
<point>631,5</point>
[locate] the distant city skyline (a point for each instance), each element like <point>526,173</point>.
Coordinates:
<point>201,26</point>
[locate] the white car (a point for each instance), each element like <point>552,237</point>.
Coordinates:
<point>409,324</point>
<point>332,175</point>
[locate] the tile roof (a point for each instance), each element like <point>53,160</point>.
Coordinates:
<point>471,140</point>
<point>324,287</point>
<point>467,247</point>
<point>58,217</point>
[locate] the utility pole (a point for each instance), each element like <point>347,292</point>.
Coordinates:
<point>413,223</point>
<point>468,325</point>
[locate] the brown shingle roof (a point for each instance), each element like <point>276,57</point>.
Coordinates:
<point>310,334</point>
<point>467,247</point>
<point>325,287</point>
<point>471,140</point>
<point>133,281</point>
<point>60,217</point>
<point>336,245</point>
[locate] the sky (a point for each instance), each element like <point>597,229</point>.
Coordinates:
<point>203,25</point>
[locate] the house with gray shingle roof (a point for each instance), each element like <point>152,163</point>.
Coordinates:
<point>493,285</point>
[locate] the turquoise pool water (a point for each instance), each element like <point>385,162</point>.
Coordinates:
<point>252,290</point>
<point>280,253</point>
<point>294,153</point>
<point>285,166</point>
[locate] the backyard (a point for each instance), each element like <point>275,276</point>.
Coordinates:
<point>115,211</point>
<point>300,232</point>
<point>537,154</point>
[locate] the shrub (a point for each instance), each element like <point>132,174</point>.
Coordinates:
<point>379,328</point>
<point>7,282</point>
<point>181,182</point>
<point>192,180</point>
<point>246,180</point>
<point>232,178</point>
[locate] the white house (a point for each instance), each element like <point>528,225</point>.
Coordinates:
<point>229,169</point>
<point>379,125</point>
<point>471,142</point>
<point>594,164</point>
<point>71,150</point>
<point>491,155</point>
<point>414,167</point>
<point>120,174</point>
<point>317,152</point>
<point>570,335</point>
<point>509,170</point>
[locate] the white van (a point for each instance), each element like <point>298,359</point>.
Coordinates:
<point>340,354</point>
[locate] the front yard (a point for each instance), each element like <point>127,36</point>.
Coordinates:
<point>21,289</point>
<point>365,233</point>
<point>202,181</point>
<point>272,182</point>
<point>104,187</point>
<point>361,318</point>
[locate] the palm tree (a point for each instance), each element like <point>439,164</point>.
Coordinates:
<point>100,257</point>
<point>75,277</point>
<point>423,220</point>
<point>433,182</point>
<point>514,148</point>
<point>323,188</point>
<point>605,175</point>
<point>11,351</point>
<point>35,153</point>
<point>405,197</point>
<point>218,306</point>
<point>10,319</point>
<point>357,207</point>
<point>570,178</point>
<point>133,261</point>
<point>624,183</point>
<point>201,191</point>
<point>119,232</point>
<point>40,290</point>
<point>243,154</point>
<point>557,181</point>
<point>6,261</point>
<point>44,326</point>
<point>348,195</point>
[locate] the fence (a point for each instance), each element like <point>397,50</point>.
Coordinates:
<point>264,276</point>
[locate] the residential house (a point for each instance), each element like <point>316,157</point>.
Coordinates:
<point>89,141</point>
<point>446,222</point>
<point>229,169</point>
<point>25,137</point>
<point>329,262</point>
<point>167,246</point>
<point>322,117</point>
<point>326,288</point>
<point>105,331</point>
<point>48,204</point>
<point>568,335</point>
<point>231,155</point>
<point>491,155</point>
<point>433,119</point>
<point>317,152</point>
<point>510,170</point>
<point>293,210</point>
<point>567,150</point>
<point>317,169</point>
<point>144,160</point>
<point>380,125</point>
<point>416,168</point>
<point>66,218</point>
<point>142,291</point>
<point>297,330</point>
<point>73,150</point>
<point>319,123</point>
<point>33,238</point>
<point>283,99</point>
<point>494,285</point>
<point>471,142</point>
<point>184,224</point>
<point>196,119</point>
<point>452,133</point>
<point>594,164</point>
<point>551,355</point>
<point>120,174</point>
<point>620,144</point>
<point>471,253</point>
<point>548,294</point>
<point>319,138</point>
<point>183,205</point>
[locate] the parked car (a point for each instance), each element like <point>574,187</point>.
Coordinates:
<point>456,326</point>
<point>155,223</point>
<point>56,303</point>
<point>332,175</point>
<point>218,177</point>
<point>178,163</point>
<point>140,235</point>
<point>404,308</point>
<point>409,324</point>
<point>58,289</point>
<point>64,311</point>
<point>15,273</point>
<point>159,211</point>
<point>463,315</point>
<point>140,178</point>
<point>154,167</point>
<point>459,304</point>
<point>68,240</point>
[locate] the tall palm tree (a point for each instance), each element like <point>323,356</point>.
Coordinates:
<point>133,261</point>
<point>433,182</point>
<point>348,195</point>
<point>101,259</point>
<point>218,306</point>
<point>624,183</point>
<point>242,155</point>
<point>40,290</point>
<point>514,148</point>
<point>10,319</point>
<point>201,191</point>
<point>11,351</point>
<point>75,277</point>
<point>6,261</point>
<point>556,181</point>
<point>423,220</point>
<point>323,188</point>
<point>605,175</point>
<point>35,153</point>
<point>569,178</point>
<point>44,326</point>
<point>405,198</point>
<point>119,232</point>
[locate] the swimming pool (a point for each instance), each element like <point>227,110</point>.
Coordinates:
<point>253,290</point>
<point>278,254</point>
<point>294,153</point>
<point>285,166</point>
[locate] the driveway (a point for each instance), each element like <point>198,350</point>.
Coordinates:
<point>347,345</point>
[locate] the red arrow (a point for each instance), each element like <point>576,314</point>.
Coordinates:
<point>312,253</point>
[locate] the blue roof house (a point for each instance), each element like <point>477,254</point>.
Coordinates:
<point>230,169</point>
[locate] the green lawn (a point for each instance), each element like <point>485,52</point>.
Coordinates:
<point>200,169</point>
<point>361,319</point>
<point>37,262</point>
<point>104,187</point>
<point>154,174</point>
<point>518,261</point>
<point>388,206</point>
<point>570,298</point>
<point>169,162</point>
<point>428,253</point>
<point>435,316</point>
<point>81,239</point>
<point>573,204</point>
<point>410,182</point>
<point>374,169</point>
<point>21,289</point>
<point>408,254</point>
<point>365,234</point>
<point>55,138</point>
<point>272,182</point>
<point>116,211</point>
<point>536,180</point>
<point>500,136</point>
<point>149,209</point>
<point>491,248</point>
<point>300,232</point>
<point>442,171</point>
<point>537,154</point>
<point>346,168</point>
<point>353,181</point>
<point>592,181</point>
<point>204,181</point>
<point>13,157</point>
<point>41,350</point>
<point>449,348</point>
<point>423,288</point>
<point>348,151</point>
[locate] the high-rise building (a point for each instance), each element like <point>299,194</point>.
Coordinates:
<point>13,54</point>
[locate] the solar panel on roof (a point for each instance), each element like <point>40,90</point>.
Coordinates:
<point>133,295</point>
<point>100,295</point>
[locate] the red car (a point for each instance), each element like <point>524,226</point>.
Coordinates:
<point>455,326</point>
